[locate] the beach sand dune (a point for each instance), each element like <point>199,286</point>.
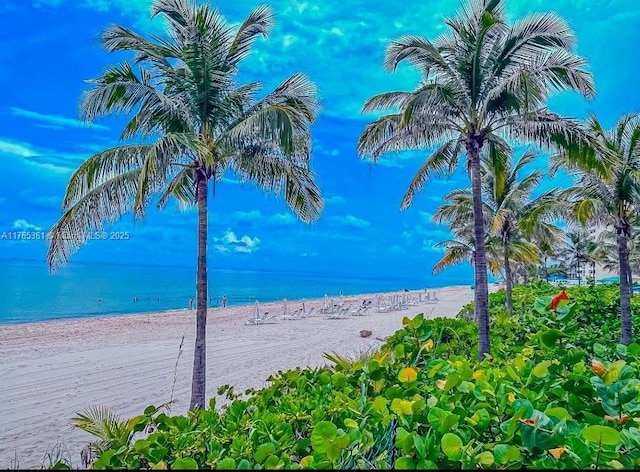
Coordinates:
<point>50,371</point>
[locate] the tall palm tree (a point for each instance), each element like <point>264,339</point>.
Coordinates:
<point>615,201</point>
<point>483,82</point>
<point>195,123</point>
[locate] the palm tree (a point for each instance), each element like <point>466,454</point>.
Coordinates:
<point>483,82</point>
<point>515,213</point>
<point>196,123</point>
<point>578,248</point>
<point>607,252</point>
<point>612,202</point>
<point>507,205</point>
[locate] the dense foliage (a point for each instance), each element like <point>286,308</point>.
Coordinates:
<point>557,392</point>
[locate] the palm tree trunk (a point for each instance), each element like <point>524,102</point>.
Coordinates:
<point>198,384</point>
<point>507,274</point>
<point>625,289</point>
<point>473,146</point>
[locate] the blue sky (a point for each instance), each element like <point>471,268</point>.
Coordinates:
<point>49,47</point>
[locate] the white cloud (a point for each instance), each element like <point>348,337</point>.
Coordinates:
<point>50,119</point>
<point>24,225</point>
<point>335,200</point>
<point>17,148</point>
<point>351,221</point>
<point>426,216</point>
<point>281,219</point>
<point>256,216</point>
<point>56,161</point>
<point>252,215</point>
<point>229,243</point>
<point>428,245</point>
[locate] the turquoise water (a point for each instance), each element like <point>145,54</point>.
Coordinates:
<point>29,293</point>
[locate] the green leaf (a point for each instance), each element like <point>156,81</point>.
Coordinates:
<point>264,451</point>
<point>185,463</point>
<point>541,369</point>
<point>505,453</point>
<point>542,305</point>
<point>349,423</point>
<point>402,407</point>
<point>323,433</point>
<point>550,336</point>
<point>602,435</point>
<point>452,446</point>
<point>558,412</point>
<point>273,462</point>
<point>441,420</point>
<point>485,458</point>
<point>404,463</point>
<point>228,463</point>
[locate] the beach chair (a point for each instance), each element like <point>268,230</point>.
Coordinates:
<point>340,315</point>
<point>296,315</point>
<point>309,314</point>
<point>258,318</point>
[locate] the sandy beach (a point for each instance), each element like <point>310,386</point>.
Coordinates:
<point>51,370</point>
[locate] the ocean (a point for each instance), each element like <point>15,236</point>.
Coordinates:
<point>29,293</point>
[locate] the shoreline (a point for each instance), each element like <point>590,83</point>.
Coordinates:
<point>53,369</point>
<point>118,314</point>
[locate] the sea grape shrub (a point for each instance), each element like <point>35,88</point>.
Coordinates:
<point>547,403</point>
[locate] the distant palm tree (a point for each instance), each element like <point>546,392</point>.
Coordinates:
<point>612,202</point>
<point>483,82</point>
<point>578,249</point>
<point>514,211</point>
<point>510,212</point>
<point>196,123</point>
<point>607,251</point>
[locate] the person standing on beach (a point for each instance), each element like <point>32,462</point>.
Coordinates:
<point>191,304</point>
<point>224,301</point>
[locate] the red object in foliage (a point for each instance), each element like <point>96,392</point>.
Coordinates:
<point>555,301</point>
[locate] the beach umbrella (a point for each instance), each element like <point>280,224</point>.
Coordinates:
<point>304,310</point>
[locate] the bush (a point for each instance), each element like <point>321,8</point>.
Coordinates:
<point>545,399</point>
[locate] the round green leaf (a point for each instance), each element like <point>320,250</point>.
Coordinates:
<point>185,463</point>
<point>505,453</point>
<point>485,458</point>
<point>602,435</point>
<point>452,446</point>
<point>322,435</point>
<point>264,451</point>
<point>404,463</point>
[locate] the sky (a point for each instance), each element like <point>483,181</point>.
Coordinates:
<point>48,48</point>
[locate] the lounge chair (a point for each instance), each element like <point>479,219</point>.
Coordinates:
<point>261,318</point>
<point>342,314</point>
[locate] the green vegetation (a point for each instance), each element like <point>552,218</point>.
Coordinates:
<point>556,392</point>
